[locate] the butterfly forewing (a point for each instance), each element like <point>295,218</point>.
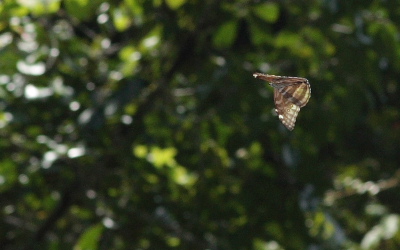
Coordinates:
<point>290,94</point>
<point>298,94</point>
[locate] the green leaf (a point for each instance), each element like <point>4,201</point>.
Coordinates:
<point>82,9</point>
<point>226,34</point>
<point>175,4</point>
<point>8,174</point>
<point>269,12</point>
<point>140,151</point>
<point>89,240</point>
<point>39,7</point>
<point>121,19</point>
<point>258,35</point>
<point>287,39</point>
<point>163,157</point>
<point>173,241</point>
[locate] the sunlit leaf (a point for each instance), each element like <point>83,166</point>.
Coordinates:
<point>151,40</point>
<point>121,19</point>
<point>175,4</point>
<point>173,241</point>
<point>89,240</point>
<point>39,7</point>
<point>226,34</point>
<point>130,56</point>
<point>390,225</point>
<point>182,177</point>
<point>140,151</point>
<point>267,11</point>
<point>162,156</point>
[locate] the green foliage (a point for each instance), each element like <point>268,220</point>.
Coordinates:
<point>137,124</point>
<point>226,34</point>
<point>90,238</point>
<point>268,11</point>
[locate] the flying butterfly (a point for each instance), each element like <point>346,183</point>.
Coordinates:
<point>290,94</point>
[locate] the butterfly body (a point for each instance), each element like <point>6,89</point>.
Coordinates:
<point>290,94</point>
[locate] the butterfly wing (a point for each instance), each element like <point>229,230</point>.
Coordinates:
<point>290,94</point>
<point>298,94</point>
<point>286,110</point>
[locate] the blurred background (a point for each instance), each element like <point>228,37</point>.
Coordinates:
<point>137,124</point>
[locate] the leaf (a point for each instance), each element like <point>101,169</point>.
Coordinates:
<point>258,34</point>
<point>121,19</point>
<point>163,157</point>
<point>140,151</point>
<point>386,229</point>
<point>90,238</point>
<point>82,9</point>
<point>38,7</point>
<point>8,175</point>
<point>175,4</point>
<point>269,12</point>
<point>226,34</point>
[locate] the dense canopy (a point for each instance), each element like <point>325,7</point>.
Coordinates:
<point>137,124</point>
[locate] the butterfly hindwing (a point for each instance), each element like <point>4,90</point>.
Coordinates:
<point>286,110</point>
<point>290,94</point>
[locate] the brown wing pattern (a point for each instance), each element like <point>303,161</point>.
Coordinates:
<point>290,94</point>
<point>286,110</point>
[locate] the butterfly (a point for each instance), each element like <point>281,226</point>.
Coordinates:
<point>290,94</point>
